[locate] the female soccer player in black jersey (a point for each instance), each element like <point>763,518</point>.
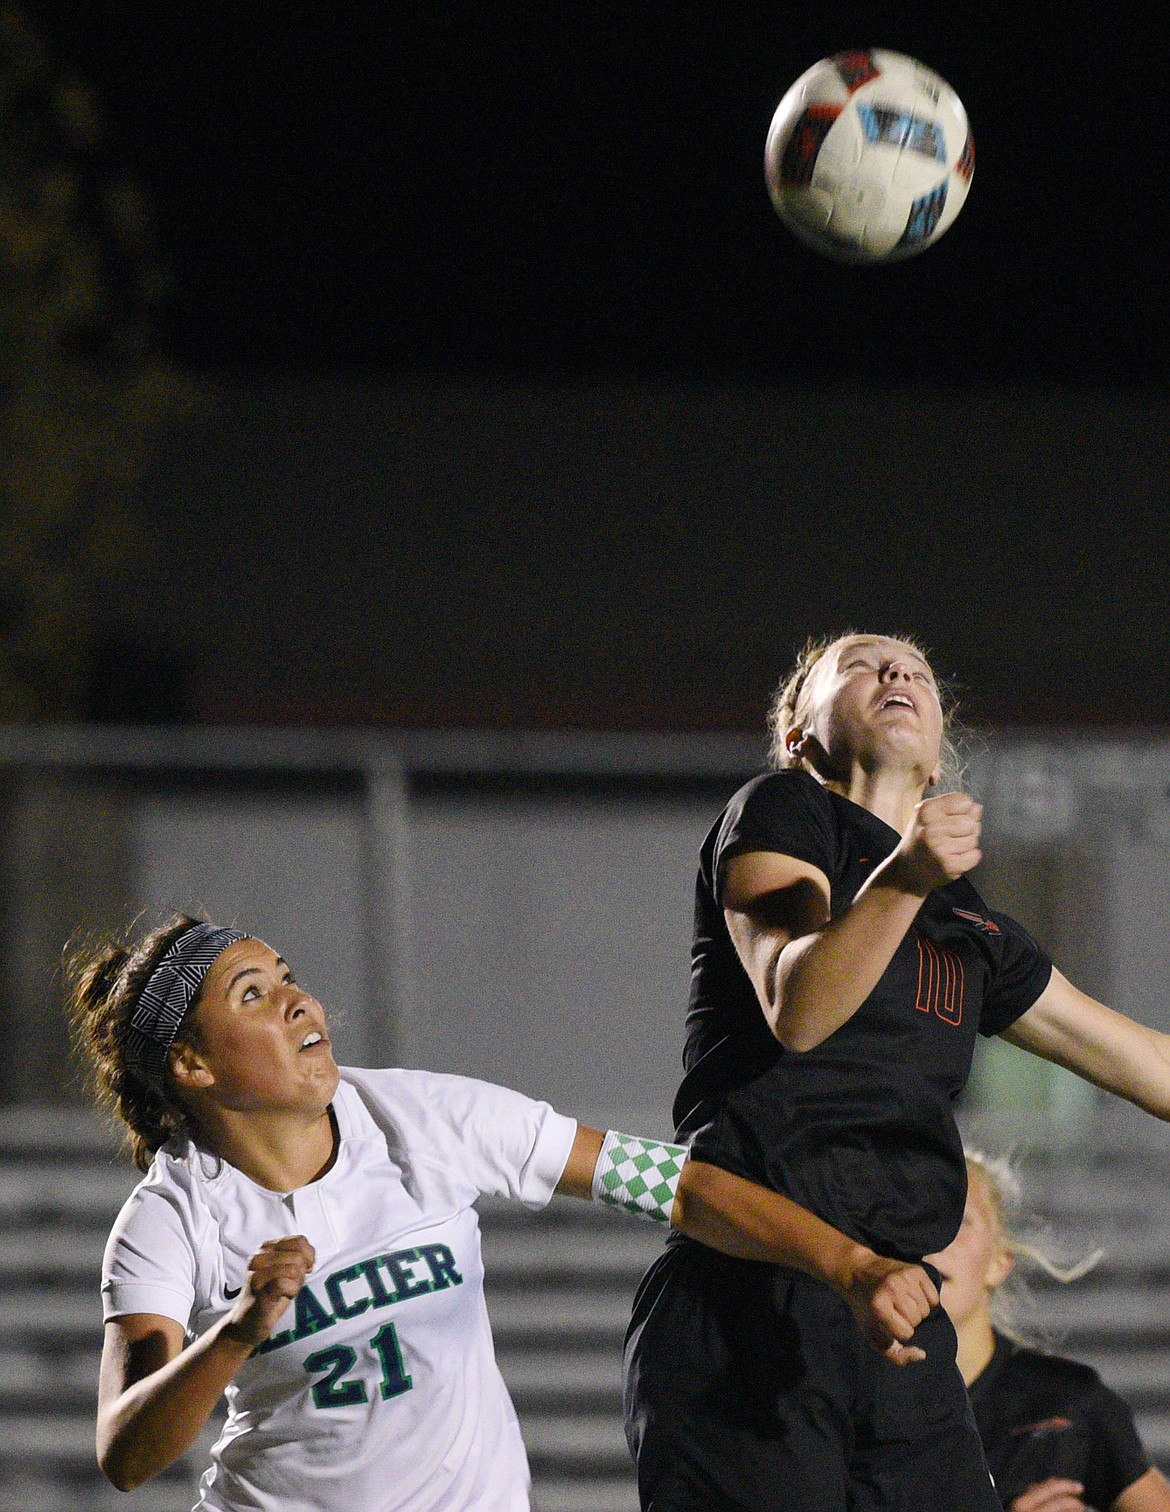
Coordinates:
<point>1056,1438</point>
<point>841,968</point>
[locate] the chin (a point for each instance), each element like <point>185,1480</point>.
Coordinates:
<point>322,1087</point>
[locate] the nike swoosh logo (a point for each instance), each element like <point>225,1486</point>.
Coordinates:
<point>231,1292</point>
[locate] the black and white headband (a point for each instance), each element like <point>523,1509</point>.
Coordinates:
<point>170,990</point>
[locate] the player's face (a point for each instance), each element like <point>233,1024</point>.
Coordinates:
<point>976,1261</point>
<point>262,1039</point>
<point>874,702</point>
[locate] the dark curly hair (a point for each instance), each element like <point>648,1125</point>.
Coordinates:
<point>104,979</point>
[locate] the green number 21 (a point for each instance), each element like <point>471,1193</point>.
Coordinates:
<point>339,1389</point>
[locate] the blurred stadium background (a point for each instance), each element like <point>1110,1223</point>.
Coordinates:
<point>434,663</point>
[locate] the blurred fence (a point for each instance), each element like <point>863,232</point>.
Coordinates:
<point>511,906</point>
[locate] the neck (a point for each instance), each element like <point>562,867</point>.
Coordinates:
<point>976,1345</point>
<point>280,1151</point>
<point>890,795</point>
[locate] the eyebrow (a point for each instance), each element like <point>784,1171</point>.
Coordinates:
<point>910,655</point>
<point>245,970</point>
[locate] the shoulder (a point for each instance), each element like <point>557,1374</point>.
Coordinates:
<point>790,788</point>
<point>170,1207</point>
<point>784,811</point>
<point>430,1107</point>
<point>400,1091</point>
<point>476,1136</point>
<point>162,1224</point>
<point>175,1181</point>
<point>1054,1372</point>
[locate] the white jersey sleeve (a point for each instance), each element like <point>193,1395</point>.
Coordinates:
<point>492,1140</point>
<point>150,1264</point>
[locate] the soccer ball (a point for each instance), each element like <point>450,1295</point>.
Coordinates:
<point>869,157</point>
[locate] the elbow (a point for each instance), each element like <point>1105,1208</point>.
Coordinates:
<point>121,1476</point>
<point>118,1465</point>
<point>784,1013</point>
<point>789,1029</point>
<point>117,1474</point>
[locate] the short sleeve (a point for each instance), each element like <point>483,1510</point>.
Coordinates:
<point>149,1263</point>
<point>786,812</point>
<point>499,1142</point>
<point>1117,1458</point>
<point>1023,969</point>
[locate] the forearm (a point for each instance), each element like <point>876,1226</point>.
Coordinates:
<point>752,1222</point>
<point>1073,1030</point>
<point>155,1421</point>
<point>820,980</point>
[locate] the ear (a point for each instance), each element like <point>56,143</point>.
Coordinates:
<point>794,741</point>
<point>188,1068</point>
<point>999,1269</point>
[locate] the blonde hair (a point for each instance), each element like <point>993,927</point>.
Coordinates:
<point>790,702</point>
<point>1029,1242</point>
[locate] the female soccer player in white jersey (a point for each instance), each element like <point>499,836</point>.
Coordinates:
<point>841,967</point>
<point>305,1241</point>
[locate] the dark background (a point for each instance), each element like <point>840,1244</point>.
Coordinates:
<point>565,187</point>
<point>569,200</point>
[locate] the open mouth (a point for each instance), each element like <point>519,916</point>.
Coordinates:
<point>312,1040</point>
<point>898,701</point>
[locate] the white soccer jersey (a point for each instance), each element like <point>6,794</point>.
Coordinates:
<point>379,1389</point>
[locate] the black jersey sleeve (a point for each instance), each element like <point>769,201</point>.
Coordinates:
<point>1022,971</point>
<point>787,812</point>
<point>1118,1458</point>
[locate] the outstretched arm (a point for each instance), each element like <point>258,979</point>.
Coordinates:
<point>889,1298</point>
<point>1066,1026</point>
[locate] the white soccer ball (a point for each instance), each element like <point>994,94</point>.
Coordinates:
<point>869,156</point>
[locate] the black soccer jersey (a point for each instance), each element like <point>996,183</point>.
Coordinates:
<point>861,1128</point>
<point>1040,1416</point>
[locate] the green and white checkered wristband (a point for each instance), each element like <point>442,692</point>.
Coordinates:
<point>640,1175</point>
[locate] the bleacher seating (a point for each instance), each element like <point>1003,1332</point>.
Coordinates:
<point>559,1289</point>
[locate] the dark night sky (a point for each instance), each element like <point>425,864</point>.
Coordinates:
<point>532,202</point>
<point>578,187</point>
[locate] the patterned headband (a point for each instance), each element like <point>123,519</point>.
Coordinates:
<point>170,990</point>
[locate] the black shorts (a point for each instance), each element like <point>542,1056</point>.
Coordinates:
<point>750,1388</point>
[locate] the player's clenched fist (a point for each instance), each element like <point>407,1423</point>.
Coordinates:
<point>889,1299</point>
<point>276,1272</point>
<point>941,843</point>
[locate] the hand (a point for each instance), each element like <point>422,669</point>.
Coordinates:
<point>941,843</point>
<point>276,1272</point>
<point>889,1299</point>
<point>1054,1495</point>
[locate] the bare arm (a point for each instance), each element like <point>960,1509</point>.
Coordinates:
<point>1066,1026</point>
<point>154,1396</point>
<point>812,973</point>
<point>577,1177</point>
<point>887,1297</point>
<point>1149,1493</point>
<point>1057,1494</point>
